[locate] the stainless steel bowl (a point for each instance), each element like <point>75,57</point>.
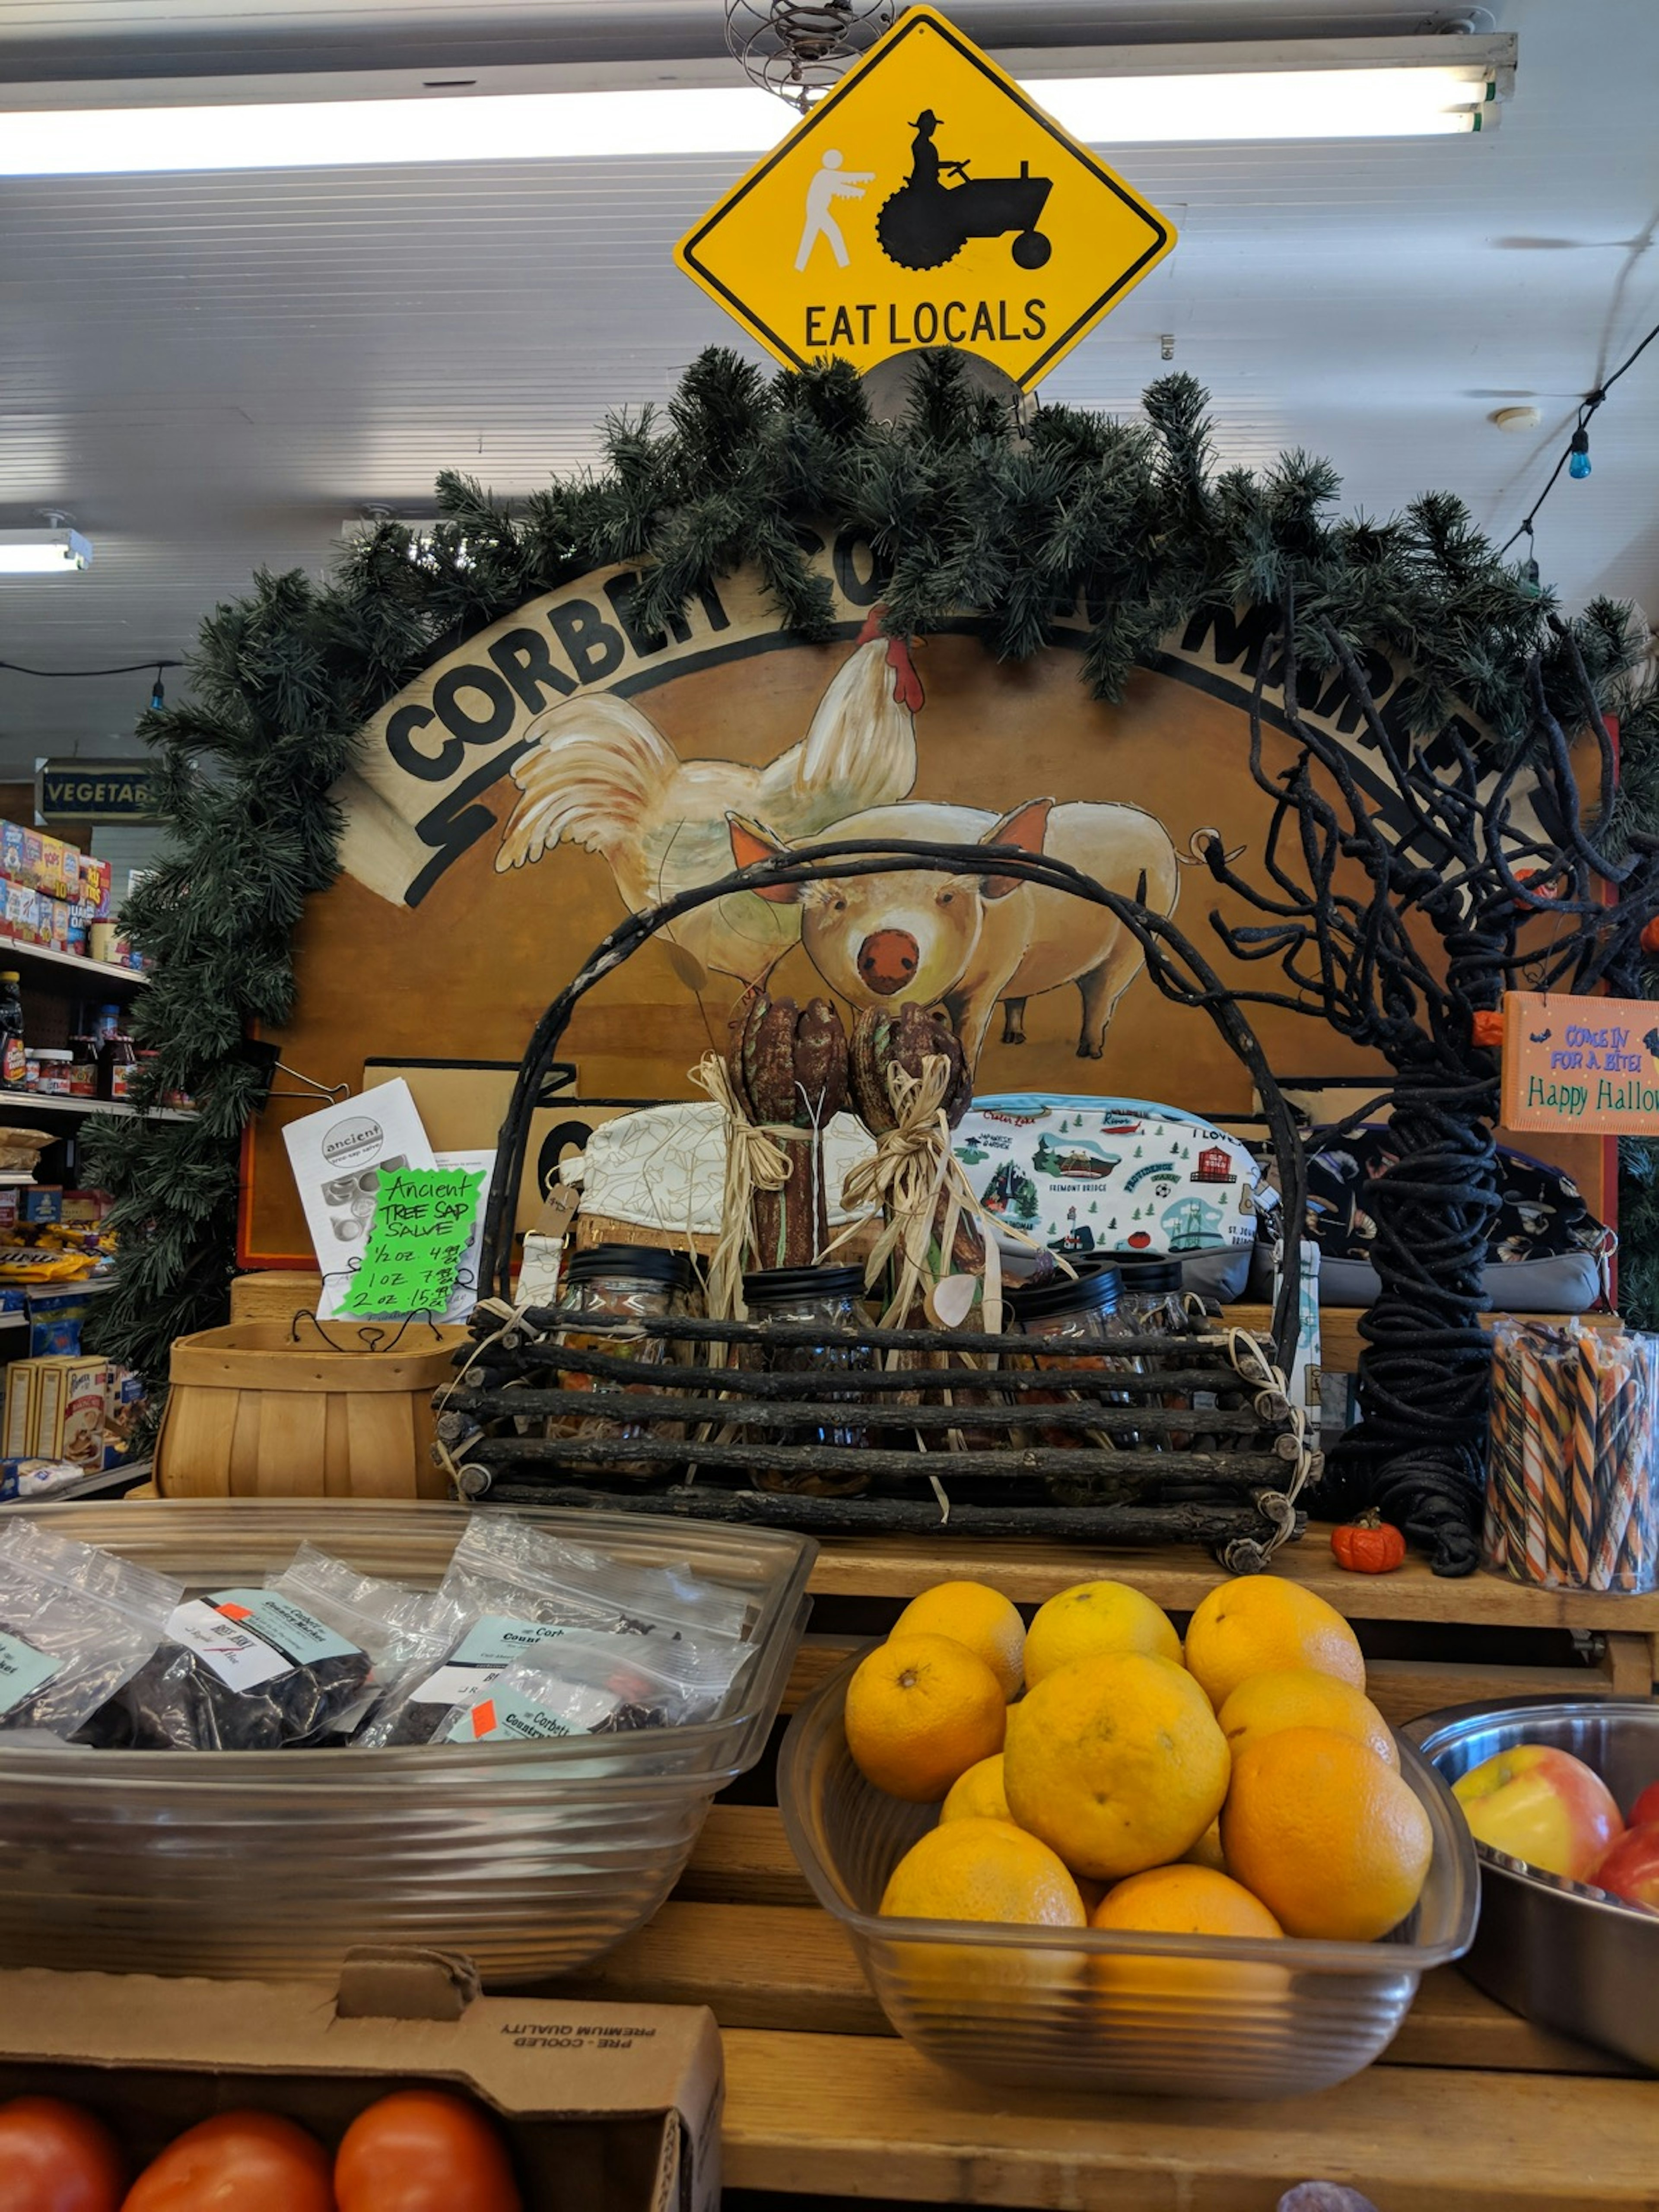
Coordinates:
<point>1567,1956</point>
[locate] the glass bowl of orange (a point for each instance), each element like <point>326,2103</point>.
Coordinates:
<point>1066,1994</point>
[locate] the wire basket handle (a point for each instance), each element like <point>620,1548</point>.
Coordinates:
<point>1174,963</point>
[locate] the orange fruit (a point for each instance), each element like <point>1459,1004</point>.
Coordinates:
<point>1330,1839</point>
<point>978,1795</point>
<point>976,1615</point>
<point>921,1710</point>
<point>982,1870</point>
<point>1260,1624</point>
<point>1117,1762</point>
<point>1091,1620</point>
<point>1184,1900</point>
<point>1206,1851</point>
<point>1299,1697</point>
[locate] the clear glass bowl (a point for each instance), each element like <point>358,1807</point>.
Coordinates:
<point>531,1859</point>
<point>1179,2015</point>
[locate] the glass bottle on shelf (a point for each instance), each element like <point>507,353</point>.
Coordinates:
<point>115,1061</point>
<point>14,1072</point>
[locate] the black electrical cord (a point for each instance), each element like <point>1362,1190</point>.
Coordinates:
<point>128,668</point>
<point>1579,442</point>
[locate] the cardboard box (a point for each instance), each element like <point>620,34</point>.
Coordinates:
<point>60,925</point>
<point>124,1405</point>
<point>93,892</point>
<point>68,1414</point>
<point>40,1201</point>
<point>22,1396</point>
<point>610,2108</point>
<point>22,912</point>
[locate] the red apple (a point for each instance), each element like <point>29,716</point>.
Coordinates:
<point>1646,1807</point>
<point>1541,1806</point>
<point>1631,1869</point>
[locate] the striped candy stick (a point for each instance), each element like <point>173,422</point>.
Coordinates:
<point>1506,1490</point>
<point>1594,1395</point>
<point>1537,1433</point>
<point>1621,1448</point>
<point>1495,1532</point>
<point>1637,1553</point>
<point>1560,1363</point>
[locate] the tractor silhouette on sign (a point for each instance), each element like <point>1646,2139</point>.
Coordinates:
<point>927,222</point>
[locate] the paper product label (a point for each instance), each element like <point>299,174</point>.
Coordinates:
<point>23,1670</point>
<point>497,1639</point>
<point>241,1660</point>
<point>278,1620</point>
<point>507,1716</point>
<point>457,1685</point>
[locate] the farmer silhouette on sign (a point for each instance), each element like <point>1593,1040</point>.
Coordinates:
<point>924,163</point>
<point>827,186</point>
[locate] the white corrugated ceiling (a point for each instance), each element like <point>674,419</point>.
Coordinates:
<point>210,371</point>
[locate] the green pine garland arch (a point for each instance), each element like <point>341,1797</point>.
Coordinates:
<point>967,505</point>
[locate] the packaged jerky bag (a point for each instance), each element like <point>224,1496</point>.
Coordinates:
<point>519,1588</point>
<point>273,1669</point>
<point>74,1624</point>
<point>598,1682</point>
<point>399,1628</point>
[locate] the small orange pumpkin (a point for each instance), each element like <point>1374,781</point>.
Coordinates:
<point>1369,1545</point>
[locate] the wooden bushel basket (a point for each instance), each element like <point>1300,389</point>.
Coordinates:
<point>277,1409</point>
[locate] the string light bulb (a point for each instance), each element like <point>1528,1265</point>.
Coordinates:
<point>1578,459</point>
<point>158,697</point>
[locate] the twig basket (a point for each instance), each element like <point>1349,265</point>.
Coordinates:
<point>1189,1438</point>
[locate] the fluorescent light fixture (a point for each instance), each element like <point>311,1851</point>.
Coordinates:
<point>1377,103</point>
<point>1379,88</point>
<point>328,133</point>
<point>43,552</point>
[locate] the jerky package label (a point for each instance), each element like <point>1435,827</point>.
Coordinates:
<point>23,1670</point>
<point>241,1660</point>
<point>510,1716</point>
<point>496,1639</point>
<point>276,1619</point>
<point>455,1685</point>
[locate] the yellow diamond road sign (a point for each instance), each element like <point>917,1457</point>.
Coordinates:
<point>926,201</point>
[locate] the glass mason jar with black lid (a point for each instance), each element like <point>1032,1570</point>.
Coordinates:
<point>603,1289</point>
<point>1083,1307</point>
<point>826,1299</point>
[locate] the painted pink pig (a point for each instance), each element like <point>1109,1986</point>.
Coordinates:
<point>968,941</point>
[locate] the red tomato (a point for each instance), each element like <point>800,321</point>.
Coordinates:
<point>237,2162</point>
<point>423,2150</point>
<point>56,2158</point>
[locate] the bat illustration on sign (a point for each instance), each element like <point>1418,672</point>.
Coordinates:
<point>1651,1041</point>
<point>1542,1036</point>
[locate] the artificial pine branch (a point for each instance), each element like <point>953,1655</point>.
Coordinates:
<point>1128,520</point>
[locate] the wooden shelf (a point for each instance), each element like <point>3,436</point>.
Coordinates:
<point>52,966</point>
<point>32,1102</point>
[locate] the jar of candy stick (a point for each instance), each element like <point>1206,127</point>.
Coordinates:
<point>1571,1486</point>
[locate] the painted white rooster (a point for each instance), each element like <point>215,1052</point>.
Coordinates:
<point>600,774</point>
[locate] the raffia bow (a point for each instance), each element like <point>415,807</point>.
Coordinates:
<point>915,1180</point>
<point>754,1161</point>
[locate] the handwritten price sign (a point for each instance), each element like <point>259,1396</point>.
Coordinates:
<point>1590,1065</point>
<point>420,1234</point>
